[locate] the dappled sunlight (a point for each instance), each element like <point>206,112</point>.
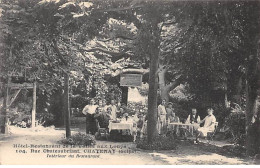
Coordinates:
<point>135,96</point>
<point>39,130</point>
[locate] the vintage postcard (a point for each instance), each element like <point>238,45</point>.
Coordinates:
<point>129,82</point>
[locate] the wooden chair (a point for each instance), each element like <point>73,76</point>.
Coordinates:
<point>101,133</point>
<point>210,135</point>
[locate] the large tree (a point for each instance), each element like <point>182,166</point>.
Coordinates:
<point>208,45</point>
<point>220,48</point>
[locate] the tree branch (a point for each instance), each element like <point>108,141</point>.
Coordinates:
<point>120,9</point>
<point>56,49</point>
<point>105,51</point>
<point>125,37</point>
<point>168,23</point>
<point>174,84</point>
<point>121,37</point>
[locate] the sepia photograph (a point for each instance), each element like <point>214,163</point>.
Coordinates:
<point>129,82</point>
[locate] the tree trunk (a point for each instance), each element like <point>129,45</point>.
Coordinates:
<point>153,81</point>
<point>152,98</point>
<point>252,111</point>
<point>165,94</point>
<point>252,132</point>
<point>163,90</point>
<point>236,96</point>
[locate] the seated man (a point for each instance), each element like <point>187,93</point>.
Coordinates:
<point>193,117</point>
<point>126,119</point>
<point>173,128</point>
<point>209,125</point>
<point>102,117</point>
<point>139,124</point>
<point>173,118</point>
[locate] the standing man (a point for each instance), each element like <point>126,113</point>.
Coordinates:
<point>89,111</point>
<point>104,105</point>
<point>114,109</point>
<point>169,110</point>
<point>162,117</point>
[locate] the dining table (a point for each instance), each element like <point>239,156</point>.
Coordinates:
<point>178,125</point>
<point>121,126</point>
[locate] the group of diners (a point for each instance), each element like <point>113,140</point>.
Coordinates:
<point>99,115</point>
<point>166,115</point>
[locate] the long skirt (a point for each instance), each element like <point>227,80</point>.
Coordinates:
<point>204,131</point>
<point>91,124</point>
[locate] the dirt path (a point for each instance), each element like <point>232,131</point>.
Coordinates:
<point>187,154</point>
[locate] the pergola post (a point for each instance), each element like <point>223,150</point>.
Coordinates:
<point>5,107</point>
<point>66,105</point>
<point>34,105</point>
<point>124,94</point>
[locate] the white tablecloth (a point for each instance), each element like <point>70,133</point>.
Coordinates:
<point>121,126</point>
<point>177,126</point>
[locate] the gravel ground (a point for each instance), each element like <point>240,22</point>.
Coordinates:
<point>113,152</point>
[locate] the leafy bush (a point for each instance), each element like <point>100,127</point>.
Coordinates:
<point>135,107</point>
<point>159,143</point>
<point>77,120</point>
<point>182,108</point>
<point>79,102</point>
<point>221,113</point>
<point>235,150</point>
<point>235,127</point>
<point>46,119</point>
<point>80,139</point>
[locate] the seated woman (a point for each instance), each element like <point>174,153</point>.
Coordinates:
<point>209,125</point>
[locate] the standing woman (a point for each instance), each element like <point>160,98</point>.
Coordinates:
<point>162,117</point>
<point>89,111</point>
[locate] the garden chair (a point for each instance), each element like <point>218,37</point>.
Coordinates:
<point>101,133</point>
<point>210,135</point>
